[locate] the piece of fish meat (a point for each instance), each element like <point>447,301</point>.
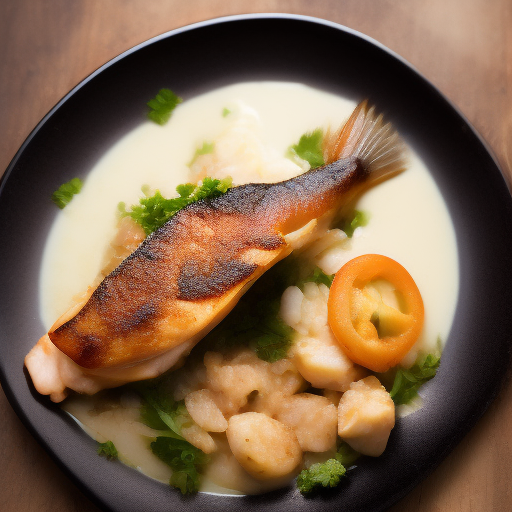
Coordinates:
<point>188,275</point>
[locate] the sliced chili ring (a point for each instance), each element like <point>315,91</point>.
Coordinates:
<point>356,312</point>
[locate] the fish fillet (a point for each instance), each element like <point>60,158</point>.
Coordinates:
<point>188,275</point>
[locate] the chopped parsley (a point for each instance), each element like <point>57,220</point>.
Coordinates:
<point>318,276</point>
<point>408,381</point>
<point>358,219</point>
<point>162,105</point>
<point>346,455</point>
<point>63,195</point>
<point>184,459</point>
<point>321,475</point>
<point>309,148</point>
<point>225,112</point>
<point>154,211</point>
<point>327,474</point>
<point>108,450</point>
<point>161,412</point>
<point>205,149</point>
<point>275,339</point>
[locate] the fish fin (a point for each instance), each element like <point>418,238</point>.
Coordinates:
<point>368,138</point>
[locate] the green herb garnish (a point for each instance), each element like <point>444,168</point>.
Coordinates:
<point>63,195</point>
<point>154,211</point>
<point>309,148</point>
<point>108,450</point>
<point>321,475</point>
<point>255,320</point>
<point>160,411</point>
<point>225,112</point>
<point>329,473</point>
<point>319,277</point>
<point>346,455</point>
<point>205,149</point>
<point>162,106</point>
<point>276,337</point>
<point>184,459</point>
<point>358,219</point>
<point>407,382</point>
<point>256,324</point>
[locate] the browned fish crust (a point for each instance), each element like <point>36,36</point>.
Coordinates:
<point>203,256</point>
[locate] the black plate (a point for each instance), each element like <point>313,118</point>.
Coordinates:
<point>192,60</point>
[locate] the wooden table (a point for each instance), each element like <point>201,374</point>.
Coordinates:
<point>463,46</point>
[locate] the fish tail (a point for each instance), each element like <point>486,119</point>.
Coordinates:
<point>366,137</point>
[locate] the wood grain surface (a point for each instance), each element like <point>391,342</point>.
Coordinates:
<point>463,46</point>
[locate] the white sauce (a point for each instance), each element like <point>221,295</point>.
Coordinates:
<point>409,220</point>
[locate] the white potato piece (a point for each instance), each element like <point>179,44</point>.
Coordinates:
<point>199,438</point>
<point>226,471</point>
<point>291,303</point>
<point>282,380</point>
<point>232,381</point>
<point>243,380</point>
<point>316,352</point>
<point>305,311</point>
<point>204,411</point>
<point>322,362</point>
<point>366,415</point>
<point>313,418</point>
<point>285,377</point>
<point>264,447</point>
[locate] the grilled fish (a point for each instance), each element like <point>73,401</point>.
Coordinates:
<point>188,275</point>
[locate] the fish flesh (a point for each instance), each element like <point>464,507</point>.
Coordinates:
<point>187,276</point>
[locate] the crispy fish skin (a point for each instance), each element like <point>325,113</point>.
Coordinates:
<point>193,269</point>
<point>188,275</point>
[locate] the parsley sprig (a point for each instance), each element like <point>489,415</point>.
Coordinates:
<point>320,475</point>
<point>162,105</point>
<point>318,276</point>
<point>408,381</point>
<point>161,412</point>
<point>205,149</point>
<point>309,148</point>
<point>357,219</point>
<point>108,450</point>
<point>184,459</point>
<point>155,210</point>
<point>327,474</point>
<point>63,195</point>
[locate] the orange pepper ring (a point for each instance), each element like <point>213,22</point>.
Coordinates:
<point>376,354</point>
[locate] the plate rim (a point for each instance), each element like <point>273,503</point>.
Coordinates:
<point>194,26</point>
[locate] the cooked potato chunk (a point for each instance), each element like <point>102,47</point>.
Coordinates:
<point>264,447</point>
<point>233,381</point>
<point>243,377</point>
<point>305,311</point>
<point>314,420</point>
<point>198,437</point>
<point>322,362</point>
<point>226,471</point>
<point>205,412</point>
<point>366,415</point>
<point>316,352</point>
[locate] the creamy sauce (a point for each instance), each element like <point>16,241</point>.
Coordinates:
<point>408,218</point>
